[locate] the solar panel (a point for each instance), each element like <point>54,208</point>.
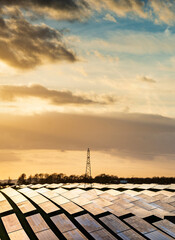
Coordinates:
<point>123,203</point>
<point>31,193</point>
<point>159,197</point>
<point>140,212</point>
<point>18,198</point>
<point>60,200</point>
<point>145,197</point>
<point>54,185</point>
<point>70,194</point>
<point>5,206</point>
<point>26,206</point>
<point>89,196</point>
<point>131,193</point>
<point>173,204</point>
<point>48,207</point>
<point>69,186</point>
<point>172,186</point>
<point>166,226</point>
<point>42,190</point>
<point>102,202</point>
<point>50,194</point>
<point>39,199</point>
<point>145,205</point>
<point>157,235</point>
<point>11,223</point>
<point>63,223</point>
<point>18,235</point>
<point>113,192</point>
<point>60,190</point>
<point>71,208</point>
<point>117,210</point>
<point>107,196</point>
<point>74,235</point>
<point>159,186</point>
<point>141,204</point>
<point>164,206</point>
<point>2,198</point>
<point>167,193</point>
<point>130,235</point>
<point>24,190</point>
<point>94,208</point>
<point>9,191</point>
<point>141,225</point>
<point>161,213</point>
<point>36,186</point>
<point>81,200</point>
<point>37,223</point>
<point>102,235</point>
<point>169,199</point>
<point>88,223</point>
<point>94,192</point>
<point>46,234</point>
<point>99,186</point>
<point>115,224</point>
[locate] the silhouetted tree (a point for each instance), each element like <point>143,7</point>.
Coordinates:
<point>22,179</point>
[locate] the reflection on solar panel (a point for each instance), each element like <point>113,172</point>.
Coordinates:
<point>102,235</point>
<point>89,224</point>
<point>18,235</point>
<point>81,201</point>
<point>117,210</point>
<point>10,192</point>
<point>5,206</point>
<point>157,235</point>
<point>140,225</point>
<point>48,207</point>
<point>46,234</point>
<point>60,200</point>
<point>102,212</point>
<point>63,223</point>
<point>11,223</point>
<point>115,224</point>
<point>37,223</point>
<point>2,198</point>
<point>166,226</point>
<point>131,235</point>
<point>26,207</point>
<point>49,194</point>
<point>71,207</point>
<point>74,235</point>
<point>94,208</point>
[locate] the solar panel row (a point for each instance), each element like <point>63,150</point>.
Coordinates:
<point>102,213</point>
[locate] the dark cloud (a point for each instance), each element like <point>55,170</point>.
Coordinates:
<point>56,9</point>
<point>11,93</point>
<point>25,46</point>
<point>135,135</point>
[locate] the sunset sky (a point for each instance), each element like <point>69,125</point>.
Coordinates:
<point>87,73</point>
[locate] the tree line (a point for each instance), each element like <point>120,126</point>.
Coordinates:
<point>43,178</point>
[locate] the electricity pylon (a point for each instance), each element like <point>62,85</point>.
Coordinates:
<point>88,167</point>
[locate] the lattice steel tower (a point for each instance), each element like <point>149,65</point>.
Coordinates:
<point>88,165</point>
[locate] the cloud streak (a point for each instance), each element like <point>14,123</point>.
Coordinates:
<point>11,93</point>
<point>134,135</point>
<point>147,79</point>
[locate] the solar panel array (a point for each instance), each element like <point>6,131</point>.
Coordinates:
<point>78,211</point>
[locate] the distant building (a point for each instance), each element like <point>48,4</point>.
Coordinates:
<point>123,181</point>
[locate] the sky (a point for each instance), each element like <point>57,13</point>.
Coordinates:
<point>85,73</point>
